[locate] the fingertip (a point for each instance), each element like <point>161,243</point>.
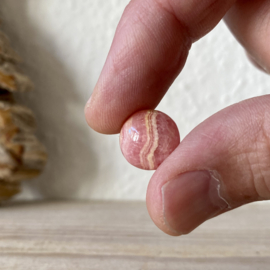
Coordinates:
<point>185,202</point>
<point>248,21</point>
<point>97,120</point>
<point>256,64</point>
<point>190,199</point>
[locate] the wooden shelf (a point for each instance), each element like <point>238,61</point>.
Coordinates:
<point>120,235</point>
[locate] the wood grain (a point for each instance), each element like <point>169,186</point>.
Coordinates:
<point>120,235</point>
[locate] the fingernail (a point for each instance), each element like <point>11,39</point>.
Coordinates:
<point>190,199</point>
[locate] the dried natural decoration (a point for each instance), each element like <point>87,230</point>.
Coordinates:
<point>22,156</point>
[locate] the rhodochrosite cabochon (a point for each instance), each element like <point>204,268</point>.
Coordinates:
<point>147,138</point>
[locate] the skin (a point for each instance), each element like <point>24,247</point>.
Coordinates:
<point>149,50</point>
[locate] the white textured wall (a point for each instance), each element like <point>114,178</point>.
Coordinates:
<point>64,45</point>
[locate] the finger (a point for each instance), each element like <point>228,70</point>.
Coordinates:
<point>249,22</point>
<point>222,164</point>
<point>149,50</point>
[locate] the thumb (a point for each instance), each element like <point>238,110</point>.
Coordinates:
<point>222,164</point>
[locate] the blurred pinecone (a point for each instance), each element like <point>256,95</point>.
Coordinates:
<point>22,156</point>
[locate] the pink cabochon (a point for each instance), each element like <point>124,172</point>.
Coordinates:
<point>147,138</point>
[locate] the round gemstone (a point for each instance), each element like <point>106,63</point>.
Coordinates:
<point>147,138</point>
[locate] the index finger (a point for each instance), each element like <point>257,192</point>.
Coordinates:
<point>149,50</point>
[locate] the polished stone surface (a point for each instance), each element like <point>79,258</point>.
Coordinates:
<point>147,138</point>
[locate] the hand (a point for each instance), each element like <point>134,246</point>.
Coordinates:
<point>225,161</point>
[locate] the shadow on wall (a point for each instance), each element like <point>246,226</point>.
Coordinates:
<point>56,104</point>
